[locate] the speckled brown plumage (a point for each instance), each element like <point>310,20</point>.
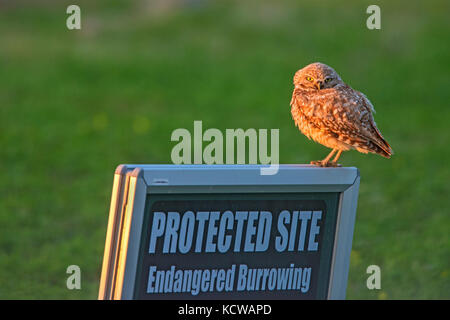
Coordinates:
<point>330,112</point>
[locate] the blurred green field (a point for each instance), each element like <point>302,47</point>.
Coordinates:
<point>75,104</point>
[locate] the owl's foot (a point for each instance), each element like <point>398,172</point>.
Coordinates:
<point>326,162</point>
<point>334,164</point>
<point>323,163</point>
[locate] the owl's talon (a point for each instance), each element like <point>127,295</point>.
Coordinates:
<point>334,164</point>
<point>322,163</point>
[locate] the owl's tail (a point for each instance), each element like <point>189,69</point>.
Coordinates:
<point>385,149</point>
<point>386,152</point>
<point>382,147</point>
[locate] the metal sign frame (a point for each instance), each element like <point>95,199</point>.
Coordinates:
<point>132,183</point>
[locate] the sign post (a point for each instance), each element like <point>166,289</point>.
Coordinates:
<point>227,232</point>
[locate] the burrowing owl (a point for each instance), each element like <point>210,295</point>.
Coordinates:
<point>333,114</point>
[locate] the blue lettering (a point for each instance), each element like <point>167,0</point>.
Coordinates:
<point>226,221</point>
<point>249,246</point>
<point>293,231</point>
<point>202,216</point>
<point>186,231</point>
<point>241,216</point>
<point>170,238</point>
<point>263,236</point>
<point>313,245</point>
<point>159,220</point>
<point>281,241</point>
<point>212,231</point>
<point>305,216</point>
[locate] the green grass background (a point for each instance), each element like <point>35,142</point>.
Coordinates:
<point>75,104</point>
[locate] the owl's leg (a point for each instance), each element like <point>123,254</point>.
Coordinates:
<point>325,162</point>
<point>334,162</point>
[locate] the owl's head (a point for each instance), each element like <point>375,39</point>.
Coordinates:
<point>316,76</point>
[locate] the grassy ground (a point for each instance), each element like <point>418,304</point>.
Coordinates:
<point>75,104</point>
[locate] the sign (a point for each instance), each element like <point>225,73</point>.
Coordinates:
<point>227,232</point>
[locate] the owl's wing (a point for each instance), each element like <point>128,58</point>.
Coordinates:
<point>345,114</point>
<point>372,126</point>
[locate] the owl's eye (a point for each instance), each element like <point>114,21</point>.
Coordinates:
<point>328,79</point>
<point>309,79</point>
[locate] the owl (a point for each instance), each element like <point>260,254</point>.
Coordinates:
<point>330,112</point>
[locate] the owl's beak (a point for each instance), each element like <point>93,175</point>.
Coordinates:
<point>319,85</point>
